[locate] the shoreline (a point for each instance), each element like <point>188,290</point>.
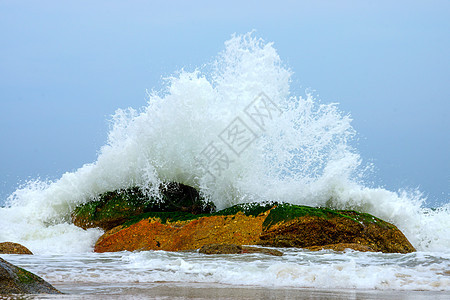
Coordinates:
<point>172,290</point>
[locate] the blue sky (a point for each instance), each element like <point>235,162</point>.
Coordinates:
<point>66,66</point>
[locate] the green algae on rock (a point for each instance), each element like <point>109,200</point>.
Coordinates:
<point>248,209</point>
<point>290,225</point>
<point>275,224</point>
<point>117,207</point>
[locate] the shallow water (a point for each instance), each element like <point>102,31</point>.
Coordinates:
<point>136,272</point>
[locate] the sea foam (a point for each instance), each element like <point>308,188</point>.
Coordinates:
<point>296,268</point>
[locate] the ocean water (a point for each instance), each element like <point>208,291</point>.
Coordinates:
<point>232,129</point>
<point>125,273</point>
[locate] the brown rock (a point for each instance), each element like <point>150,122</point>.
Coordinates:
<point>248,249</point>
<point>151,234</point>
<point>13,248</point>
<point>236,249</point>
<point>308,231</point>
<point>283,225</point>
<point>341,247</point>
<point>220,249</point>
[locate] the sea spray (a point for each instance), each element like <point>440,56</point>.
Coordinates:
<point>233,130</point>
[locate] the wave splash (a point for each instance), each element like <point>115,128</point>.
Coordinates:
<point>234,131</point>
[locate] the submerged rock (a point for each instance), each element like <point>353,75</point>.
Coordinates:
<point>117,207</point>
<point>236,249</point>
<point>265,224</point>
<point>13,248</point>
<point>248,249</point>
<point>341,247</point>
<point>15,280</point>
<point>220,249</point>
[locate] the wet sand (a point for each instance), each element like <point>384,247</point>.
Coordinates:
<point>214,291</point>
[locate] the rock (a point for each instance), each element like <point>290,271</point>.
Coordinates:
<point>117,207</point>
<point>13,248</point>
<point>248,249</point>
<point>180,197</point>
<point>177,232</point>
<point>302,226</point>
<point>220,249</point>
<point>15,280</point>
<point>264,224</point>
<point>341,247</point>
<point>236,249</point>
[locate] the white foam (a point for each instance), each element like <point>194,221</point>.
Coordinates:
<point>301,155</point>
<point>299,269</point>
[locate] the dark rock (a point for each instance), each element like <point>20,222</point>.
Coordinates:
<point>15,280</point>
<point>180,197</point>
<point>117,207</point>
<point>236,249</point>
<point>13,248</point>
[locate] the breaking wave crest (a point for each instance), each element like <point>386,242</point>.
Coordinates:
<point>233,130</point>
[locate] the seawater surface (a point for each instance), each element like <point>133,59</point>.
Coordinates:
<point>91,273</point>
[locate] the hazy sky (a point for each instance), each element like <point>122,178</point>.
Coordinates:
<point>66,66</point>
